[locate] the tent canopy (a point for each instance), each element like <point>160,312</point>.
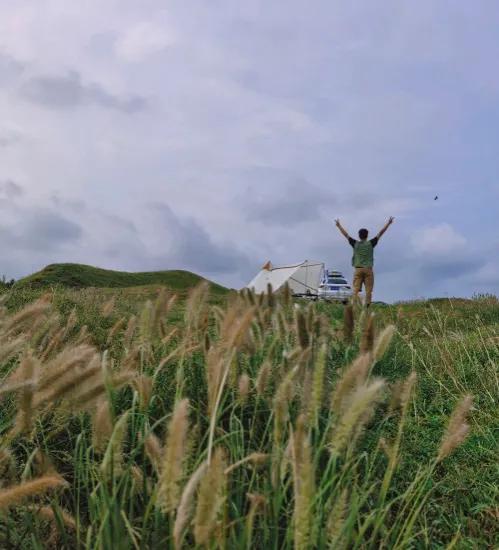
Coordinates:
<point>302,278</point>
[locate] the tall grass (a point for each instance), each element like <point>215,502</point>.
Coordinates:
<point>254,422</point>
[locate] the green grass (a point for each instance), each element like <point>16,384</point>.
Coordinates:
<point>452,345</point>
<point>84,276</point>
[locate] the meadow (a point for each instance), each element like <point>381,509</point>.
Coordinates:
<point>142,418</point>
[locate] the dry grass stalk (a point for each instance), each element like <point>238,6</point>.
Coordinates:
<point>353,376</point>
<point>383,341</point>
<point>186,505</point>
<point>173,458</point>
<point>356,415</point>
<point>304,485</point>
<point>12,496</point>
<point>211,499</point>
<point>254,458</point>
<point>367,337</point>
<point>348,323</point>
<point>457,429</point>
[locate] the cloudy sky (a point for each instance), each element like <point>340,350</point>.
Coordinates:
<point>213,136</point>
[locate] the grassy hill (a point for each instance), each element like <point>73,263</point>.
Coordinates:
<point>85,276</point>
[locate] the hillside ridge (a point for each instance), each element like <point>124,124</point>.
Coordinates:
<point>84,276</point>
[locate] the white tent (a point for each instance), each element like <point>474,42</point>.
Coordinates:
<point>303,278</point>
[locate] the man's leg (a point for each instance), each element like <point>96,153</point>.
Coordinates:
<point>357,283</point>
<point>369,285</point>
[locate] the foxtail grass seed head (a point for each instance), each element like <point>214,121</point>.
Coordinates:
<point>130,332</point>
<point>407,390</point>
<point>457,429</point>
<point>173,458</point>
<point>302,330</point>
<point>270,297</point>
<point>304,485</point>
<point>263,378</point>
<point>16,494</point>
<point>348,323</point>
<point>207,342</point>
<point>353,376</point>
<point>143,385</point>
<point>29,374</point>
<point>7,466</point>
<point>211,499</point>
<point>243,388</point>
<point>383,342</point>
<point>102,425</point>
<point>46,513</point>
<point>336,519</point>
<point>357,413</point>
<point>186,506</point>
<point>317,393</point>
<point>258,503</point>
<point>154,451</point>
<point>42,464</point>
<point>367,337</point>
<point>119,325</point>
<point>108,307</point>
<point>287,297</point>
<point>113,458</point>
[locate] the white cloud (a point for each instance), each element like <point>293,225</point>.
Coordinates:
<point>441,239</point>
<point>142,40</point>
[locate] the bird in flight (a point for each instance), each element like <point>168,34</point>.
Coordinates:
<point>436,198</point>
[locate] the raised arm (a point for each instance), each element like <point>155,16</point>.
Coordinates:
<point>342,229</point>
<point>385,227</point>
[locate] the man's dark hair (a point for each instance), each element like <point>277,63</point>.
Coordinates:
<point>363,233</point>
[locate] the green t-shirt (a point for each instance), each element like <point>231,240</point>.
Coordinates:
<point>363,252</point>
